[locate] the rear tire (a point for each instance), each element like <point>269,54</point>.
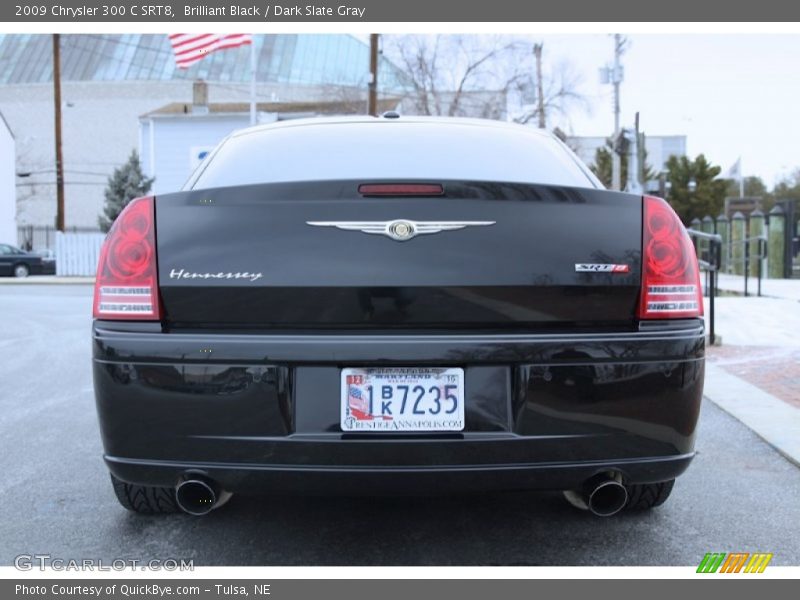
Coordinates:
<point>21,270</point>
<point>644,496</point>
<point>145,499</point>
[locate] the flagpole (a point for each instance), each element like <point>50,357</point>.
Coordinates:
<point>741,179</point>
<point>253,66</point>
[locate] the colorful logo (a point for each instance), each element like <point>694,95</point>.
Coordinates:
<point>357,403</point>
<point>735,562</point>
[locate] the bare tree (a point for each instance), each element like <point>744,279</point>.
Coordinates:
<point>457,75</point>
<point>346,95</point>
<point>477,75</point>
<point>556,91</point>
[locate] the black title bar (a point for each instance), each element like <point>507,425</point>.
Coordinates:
<point>214,11</point>
<point>733,586</point>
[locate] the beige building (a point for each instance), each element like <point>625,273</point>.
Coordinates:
<point>8,191</point>
<point>110,81</point>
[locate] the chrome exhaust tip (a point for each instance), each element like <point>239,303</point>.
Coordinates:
<point>197,496</point>
<point>605,496</point>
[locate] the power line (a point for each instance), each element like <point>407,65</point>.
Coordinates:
<point>76,172</point>
<point>49,183</point>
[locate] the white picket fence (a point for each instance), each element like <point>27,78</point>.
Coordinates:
<point>77,253</point>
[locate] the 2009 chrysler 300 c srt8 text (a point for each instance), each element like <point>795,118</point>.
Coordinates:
<point>396,305</point>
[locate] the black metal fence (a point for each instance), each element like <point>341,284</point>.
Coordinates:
<point>709,256</point>
<point>759,256</point>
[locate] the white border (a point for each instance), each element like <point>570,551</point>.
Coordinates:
<point>520,28</point>
<point>267,573</point>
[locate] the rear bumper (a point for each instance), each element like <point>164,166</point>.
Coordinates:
<point>265,478</point>
<point>261,412</point>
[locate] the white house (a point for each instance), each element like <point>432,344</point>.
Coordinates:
<point>175,138</point>
<point>8,187</point>
<point>108,80</point>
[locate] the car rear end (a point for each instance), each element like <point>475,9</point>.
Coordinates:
<point>418,307</point>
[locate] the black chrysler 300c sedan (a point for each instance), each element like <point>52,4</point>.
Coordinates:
<point>404,305</point>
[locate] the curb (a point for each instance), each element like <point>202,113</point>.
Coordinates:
<point>772,419</point>
<point>46,280</point>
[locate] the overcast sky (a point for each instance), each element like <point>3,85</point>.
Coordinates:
<point>732,95</point>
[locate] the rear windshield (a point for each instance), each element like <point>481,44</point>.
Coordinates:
<point>392,150</point>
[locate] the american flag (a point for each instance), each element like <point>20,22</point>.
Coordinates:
<point>190,48</point>
<point>356,400</point>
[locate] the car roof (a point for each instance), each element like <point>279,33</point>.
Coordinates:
<point>389,121</point>
<point>430,131</point>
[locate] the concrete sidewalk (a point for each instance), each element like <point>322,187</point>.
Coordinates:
<point>775,421</point>
<point>755,374</point>
<point>774,288</point>
<point>756,321</point>
<point>47,280</point>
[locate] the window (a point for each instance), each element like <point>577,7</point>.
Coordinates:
<point>461,150</point>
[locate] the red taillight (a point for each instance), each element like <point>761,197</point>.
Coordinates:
<point>400,189</point>
<point>126,286</point>
<point>670,275</point>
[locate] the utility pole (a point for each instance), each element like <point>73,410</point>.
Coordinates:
<point>372,101</point>
<point>537,52</point>
<point>641,142</point>
<point>59,159</point>
<point>741,179</point>
<point>633,185</point>
<point>616,79</point>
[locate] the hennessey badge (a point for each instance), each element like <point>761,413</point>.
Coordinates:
<point>184,274</point>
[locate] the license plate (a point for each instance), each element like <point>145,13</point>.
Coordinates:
<point>402,399</point>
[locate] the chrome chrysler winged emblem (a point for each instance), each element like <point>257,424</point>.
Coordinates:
<point>401,230</point>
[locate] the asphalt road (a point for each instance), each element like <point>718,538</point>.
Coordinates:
<point>56,498</point>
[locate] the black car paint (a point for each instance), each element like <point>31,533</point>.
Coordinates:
<point>519,271</point>
<point>259,412</point>
<point>35,262</point>
<point>240,381</point>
